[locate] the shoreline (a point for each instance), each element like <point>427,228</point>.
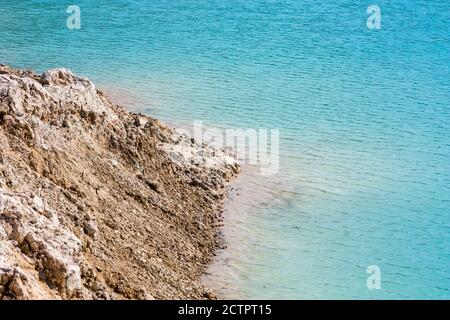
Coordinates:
<point>103,203</point>
<point>233,224</point>
<point>208,277</point>
<point>248,191</point>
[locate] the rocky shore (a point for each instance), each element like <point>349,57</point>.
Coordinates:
<point>97,202</point>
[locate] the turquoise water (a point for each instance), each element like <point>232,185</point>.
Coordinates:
<point>364,122</point>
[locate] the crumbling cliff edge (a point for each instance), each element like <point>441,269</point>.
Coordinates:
<point>97,202</point>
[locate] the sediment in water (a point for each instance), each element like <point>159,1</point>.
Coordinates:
<point>97,202</point>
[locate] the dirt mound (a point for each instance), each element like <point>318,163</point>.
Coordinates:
<point>97,202</point>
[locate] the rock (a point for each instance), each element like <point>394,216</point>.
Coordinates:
<point>31,230</point>
<point>209,295</point>
<point>144,295</point>
<point>90,228</point>
<point>5,119</point>
<point>140,121</point>
<point>114,163</point>
<point>16,286</point>
<point>38,204</point>
<point>154,185</point>
<point>112,224</point>
<point>3,234</point>
<point>49,213</point>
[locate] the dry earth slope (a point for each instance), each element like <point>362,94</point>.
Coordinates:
<point>99,203</point>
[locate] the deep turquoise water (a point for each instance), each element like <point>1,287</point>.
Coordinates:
<point>364,121</point>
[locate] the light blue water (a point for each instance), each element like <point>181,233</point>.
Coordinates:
<point>364,119</point>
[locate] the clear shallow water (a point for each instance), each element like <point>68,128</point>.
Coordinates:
<point>364,119</point>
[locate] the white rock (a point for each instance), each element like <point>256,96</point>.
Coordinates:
<point>38,204</point>
<point>61,248</point>
<point>114,163</point>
